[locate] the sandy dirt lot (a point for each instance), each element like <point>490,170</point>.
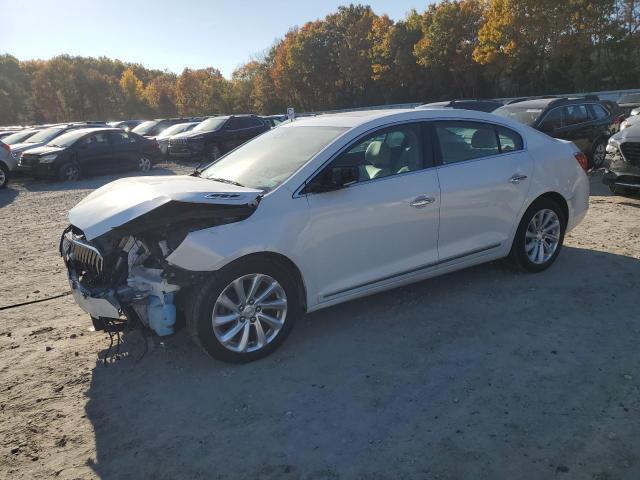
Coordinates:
<point>483,374</point>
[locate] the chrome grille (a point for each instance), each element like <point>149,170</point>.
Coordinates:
<point>631,152</point>
<point>178,141</point>
<point>84,256</point>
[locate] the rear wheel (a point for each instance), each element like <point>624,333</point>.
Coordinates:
<point>69,172</point>
<point>245,311</point>
<point>599,154</point>
<point>539,237</point>
<point>4,175</point>
<point>144,164</point>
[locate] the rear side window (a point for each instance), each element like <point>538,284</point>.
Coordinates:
<point>461,141</point>
<point>510,141</point>
<point>598,111</point>
<point>575,114</point>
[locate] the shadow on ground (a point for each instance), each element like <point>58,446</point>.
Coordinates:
<point>484,373</point>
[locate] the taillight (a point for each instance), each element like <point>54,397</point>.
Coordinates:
<point>617,120</point>
<point>582,159</point>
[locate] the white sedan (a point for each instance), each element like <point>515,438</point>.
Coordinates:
<point>317,212</point>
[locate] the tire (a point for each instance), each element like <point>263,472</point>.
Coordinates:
<point>144,164</point>
<point>205,304</point>
<point>526,235</point>
<point>4,175</point>
<point>598,154</point>
<point>68,172</point>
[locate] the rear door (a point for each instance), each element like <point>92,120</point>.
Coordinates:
<point>95,153</point>
<point>578,126</point>
<point>484,175</point>
<point>125,151</point>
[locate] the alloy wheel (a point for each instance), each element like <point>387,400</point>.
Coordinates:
<point>249,313</point>
<point>70,173</point>
<point>3,178</point>
<point>599,155</point>
<point>542,236</point>
<point>144,164</point>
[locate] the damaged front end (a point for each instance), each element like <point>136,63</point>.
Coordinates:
<point>122,274</point>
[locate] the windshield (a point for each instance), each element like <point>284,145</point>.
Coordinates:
<point>210,124</point>
<point>145,127</point>
<point>67,139</point>
<point>45,135</point>
<point>630,98</point>
<point>18,137</point>
<point>269,159</point>
<point>526,115</point>
<point>180,127</point>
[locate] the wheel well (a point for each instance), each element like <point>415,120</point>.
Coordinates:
<point>289,265</point>
<point>557,198</point>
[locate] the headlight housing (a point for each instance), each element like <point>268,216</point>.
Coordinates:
<point>49,158</point>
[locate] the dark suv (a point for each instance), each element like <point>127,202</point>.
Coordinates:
<point>586,122</point>
<point>216,136</point>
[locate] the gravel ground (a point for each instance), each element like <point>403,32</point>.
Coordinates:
<point>483,374</point>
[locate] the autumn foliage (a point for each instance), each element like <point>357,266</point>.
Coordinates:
<point>352,58</point>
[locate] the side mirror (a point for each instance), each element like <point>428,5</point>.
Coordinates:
<point>335,178</point>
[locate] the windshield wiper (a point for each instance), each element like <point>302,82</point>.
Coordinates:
<point>225,180</point>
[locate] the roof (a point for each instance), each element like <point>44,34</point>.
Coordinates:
<point>361,117</point>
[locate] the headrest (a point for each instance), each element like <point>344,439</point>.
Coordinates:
<point>378,154</point>
<point>484,138</point>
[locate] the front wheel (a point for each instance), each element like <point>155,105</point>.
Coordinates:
<point>245,311</point>
<point>4,175</point>
<point>539,237</point>
<point>68,172</point>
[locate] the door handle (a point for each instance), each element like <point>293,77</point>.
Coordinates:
<point>517,179</point>
<point>422,201</point>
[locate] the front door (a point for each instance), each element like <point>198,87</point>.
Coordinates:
<point>383,227</point>
<point>95,153</point>
<point>484,173</point>
<point>125,151</point>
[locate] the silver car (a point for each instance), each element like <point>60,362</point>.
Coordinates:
<point>7,163</point>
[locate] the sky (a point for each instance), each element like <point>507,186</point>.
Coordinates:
<point>164,34</point>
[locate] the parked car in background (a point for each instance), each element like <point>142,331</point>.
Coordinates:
<point>89,151</point>
<point>7,164</point>
<point>629,102</point>
<point>6,133</point>
<point>126,125</point>
<point>478,105</point>
<point>216,136</point>
<point>585,122</point>
<point>20,136</point>
<point>274,120</point>
<point>623,155</point>
<point>43,137</point>
<point>163,137</point>
<point>317,212</point>
<point>151,128</point>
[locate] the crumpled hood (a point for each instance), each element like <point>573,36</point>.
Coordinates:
<point>128,198</point>
<point>21,147</point>
<point>631,133</point>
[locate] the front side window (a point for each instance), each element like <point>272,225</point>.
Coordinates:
<point>96,140</point>
<point>461,141</point>
<point>385,153</point>
<point>575,114</point>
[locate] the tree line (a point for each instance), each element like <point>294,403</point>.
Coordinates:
<point>353,58</point>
